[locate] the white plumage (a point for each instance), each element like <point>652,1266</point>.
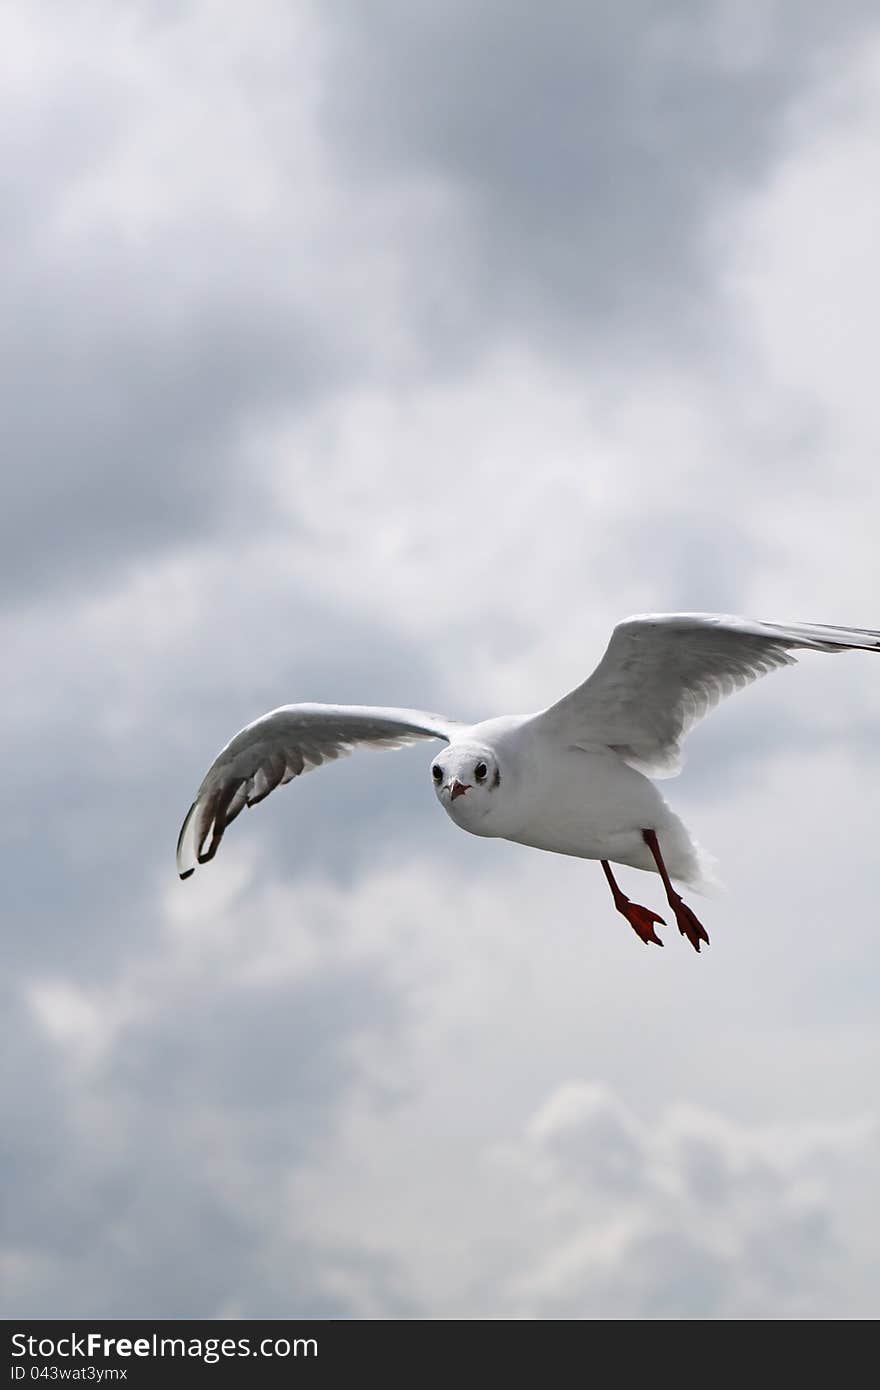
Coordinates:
<point>572,779</point>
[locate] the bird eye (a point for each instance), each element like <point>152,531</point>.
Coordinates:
<point>437,773</point>
<point>480,772</point>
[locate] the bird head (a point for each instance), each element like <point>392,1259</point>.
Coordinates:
<point>466,780</point>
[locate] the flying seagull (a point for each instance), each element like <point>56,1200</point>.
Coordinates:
<point>573,778</point>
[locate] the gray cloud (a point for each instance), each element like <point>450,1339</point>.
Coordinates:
<point>585,149</point>
<point>152,1172</point>
<point>578,160</point>
<point>153,327</point>
<point>126,442</point>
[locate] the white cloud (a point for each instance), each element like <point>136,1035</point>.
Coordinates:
<point>690,1216</point>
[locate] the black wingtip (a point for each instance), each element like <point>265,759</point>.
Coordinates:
<point>187,873</point>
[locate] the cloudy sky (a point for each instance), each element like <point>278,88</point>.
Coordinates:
<point>391,354</point>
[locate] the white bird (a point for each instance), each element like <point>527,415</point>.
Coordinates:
<point>573,778</point>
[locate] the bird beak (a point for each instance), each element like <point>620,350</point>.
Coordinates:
<point>458,789</point>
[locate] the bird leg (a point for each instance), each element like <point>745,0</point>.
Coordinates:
<point>688,924</point>
<point>641,919</point>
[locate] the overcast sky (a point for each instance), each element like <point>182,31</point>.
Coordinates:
<point>390,354</point>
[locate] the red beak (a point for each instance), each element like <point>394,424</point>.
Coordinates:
<point>459,789</point>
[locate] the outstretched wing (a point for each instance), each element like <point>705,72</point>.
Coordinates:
<point>278,747</point>
<point>663,672</point>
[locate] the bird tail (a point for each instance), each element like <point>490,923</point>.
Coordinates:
<point>686,859</point>
<point>705,879</point>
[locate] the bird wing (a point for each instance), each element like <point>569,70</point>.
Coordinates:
<point>278,747</point>
<point>664,672</point>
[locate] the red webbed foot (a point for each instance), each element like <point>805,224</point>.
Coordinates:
<point>641,919</point>
<point>689,924</point>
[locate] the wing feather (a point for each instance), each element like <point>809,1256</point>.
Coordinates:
<point>664,672</point>
<point>282,745</point>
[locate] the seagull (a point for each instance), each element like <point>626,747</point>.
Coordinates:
<point>574,778</point>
